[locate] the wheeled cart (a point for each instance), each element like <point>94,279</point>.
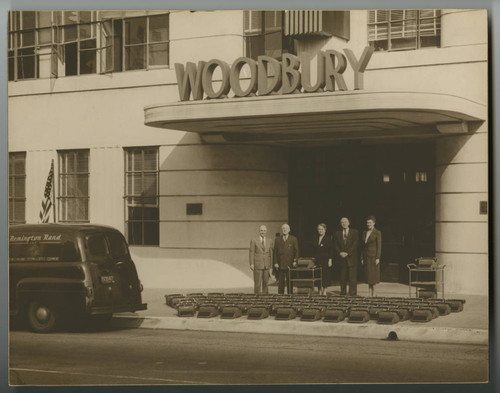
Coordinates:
<point>427,277</point>
<point>304,277</point>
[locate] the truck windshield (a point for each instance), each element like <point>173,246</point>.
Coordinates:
<point>44,252</point>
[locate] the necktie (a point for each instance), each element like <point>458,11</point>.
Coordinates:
<point>285,237</point>
<point>263,242</point>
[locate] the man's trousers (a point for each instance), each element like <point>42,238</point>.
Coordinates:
<point>261,280</point>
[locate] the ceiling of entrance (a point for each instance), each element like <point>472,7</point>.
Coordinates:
<point>313,117</point>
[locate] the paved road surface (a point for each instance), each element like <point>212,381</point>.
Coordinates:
<point>143,356</point>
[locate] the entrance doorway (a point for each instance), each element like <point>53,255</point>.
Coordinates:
<point>393,182</point>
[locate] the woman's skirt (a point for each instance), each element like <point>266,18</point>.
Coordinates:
<point>326,272</point>
<point>372,271</point>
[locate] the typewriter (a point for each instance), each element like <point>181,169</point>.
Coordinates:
<point>305,263</point>
<point>424,263</point>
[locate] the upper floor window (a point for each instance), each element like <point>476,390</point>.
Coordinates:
<point>52,43</point>
<point>74,186</point>
<point>77,39</point>
<point>17,188</point>
<point>135,43</point>
<point>263,32</point>
<point>30,38</point>
<point>390,30</point>
<point>46,44</point>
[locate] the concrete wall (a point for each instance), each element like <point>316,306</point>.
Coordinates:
<point>193,36</point>
<point>461,231</point>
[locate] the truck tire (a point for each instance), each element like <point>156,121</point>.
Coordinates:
<point>41,316</point>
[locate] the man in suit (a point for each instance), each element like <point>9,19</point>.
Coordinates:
<point>346,243</point>
<point>261,260</point>
<point>286,253</point>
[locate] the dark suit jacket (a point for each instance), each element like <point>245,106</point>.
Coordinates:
<point>322,251</point>
<point>372,249</point>
<point>350,246</point>
<point>285,253</point>
<point>261,257</point>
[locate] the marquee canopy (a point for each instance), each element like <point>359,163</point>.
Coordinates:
<point>321,116</point>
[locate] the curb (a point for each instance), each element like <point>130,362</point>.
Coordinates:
<point>317,328</point>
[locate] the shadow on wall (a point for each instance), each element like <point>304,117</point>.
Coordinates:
<point>157,269</point>
<point>452,147</point>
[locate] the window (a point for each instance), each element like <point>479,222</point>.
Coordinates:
<point>17,188</point>
<point>390,30</point>
<point>141,196</point>
<point>74,186</point>
<point>43,251</point>
<point>263,32</point>
<point>421,177</point>
<point>41,40</point>
<point>46,44</point>
<point>117,246</point>
<point>135,43</point>
<point>29,32</point>
<point>77,34</point>
<point>96,244</point>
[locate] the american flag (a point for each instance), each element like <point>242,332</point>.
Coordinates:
<point>47,201</point>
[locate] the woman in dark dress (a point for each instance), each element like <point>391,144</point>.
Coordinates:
<point>322,252</point>
<point>372,249</point>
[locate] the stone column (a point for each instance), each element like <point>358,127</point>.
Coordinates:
<point>461,228</point>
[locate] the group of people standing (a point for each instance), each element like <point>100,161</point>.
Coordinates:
<point>281,253</point>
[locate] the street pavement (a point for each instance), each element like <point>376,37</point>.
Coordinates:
<point>169,357</point>
<point>467,327</point>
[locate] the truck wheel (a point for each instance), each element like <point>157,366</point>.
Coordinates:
<point>41,317</point>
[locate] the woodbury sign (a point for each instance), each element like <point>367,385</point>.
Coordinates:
<point>285,77</point>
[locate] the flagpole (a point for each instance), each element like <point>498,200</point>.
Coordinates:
<point>54,193</point>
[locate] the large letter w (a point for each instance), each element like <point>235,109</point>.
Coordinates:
<point>190,80</point>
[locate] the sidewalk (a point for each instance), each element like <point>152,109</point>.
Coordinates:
<point>469,326</point>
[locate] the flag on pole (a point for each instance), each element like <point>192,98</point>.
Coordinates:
<point>47,201</point>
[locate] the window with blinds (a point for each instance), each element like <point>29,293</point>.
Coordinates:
<point>263,33</point>
<point>141,196</point>
<point>73,187</point>
<point>17,188</point>
<point>391,30</point>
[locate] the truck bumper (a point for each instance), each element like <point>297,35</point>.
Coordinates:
<point>118,308</point>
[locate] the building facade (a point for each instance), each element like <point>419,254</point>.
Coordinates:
<point>188,130</point>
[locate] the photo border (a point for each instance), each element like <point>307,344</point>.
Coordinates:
<point>493,7</point>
